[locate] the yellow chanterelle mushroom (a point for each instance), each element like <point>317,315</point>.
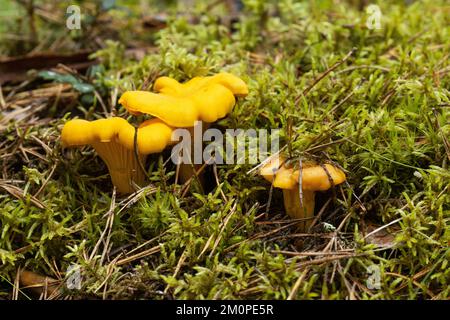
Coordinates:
<point>181,105</point>
<point>314,178</point>
<point>114,141</point>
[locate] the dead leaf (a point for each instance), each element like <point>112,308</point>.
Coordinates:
<point>38,283</point>
<point>16,68</point>
<point>19,194</point>
<point>383,238</point>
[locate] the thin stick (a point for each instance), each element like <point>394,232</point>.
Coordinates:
<point>382,227</point>
<point>324,74</point>
<point>110,215</point>
<point>294,290</point>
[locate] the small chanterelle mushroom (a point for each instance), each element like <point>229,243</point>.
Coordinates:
<point>183,105</point>
<point>114,141</point>
<point>313,178</point>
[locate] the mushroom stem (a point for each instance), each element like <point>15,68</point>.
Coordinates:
<point>123,165</point>
<point>188,170</point>
<point>296,210</point>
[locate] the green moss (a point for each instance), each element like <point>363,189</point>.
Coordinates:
<point>382,115</point>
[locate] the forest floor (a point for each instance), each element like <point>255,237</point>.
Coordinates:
<point>366,89</point>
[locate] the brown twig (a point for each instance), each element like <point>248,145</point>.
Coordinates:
<point>324,74</point>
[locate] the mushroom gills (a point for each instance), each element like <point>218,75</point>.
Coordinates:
<point>123,165</point>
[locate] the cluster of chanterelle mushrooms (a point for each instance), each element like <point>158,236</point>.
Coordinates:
<point>124,148</point>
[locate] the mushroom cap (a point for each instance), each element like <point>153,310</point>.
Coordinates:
<point>152,135</point>
<point>180,105</point>
<point>314,177</point>
<point>269,169</point>
<point>172,87</point>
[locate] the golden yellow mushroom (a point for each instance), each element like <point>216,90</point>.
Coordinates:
<point>172,87</point>
<point>114,141</point>
<point>181,105</point>
<point>314,178</point>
